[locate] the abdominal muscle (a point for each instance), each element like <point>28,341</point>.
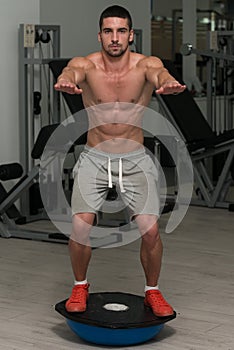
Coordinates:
<point>116,138</point>
<point>115,127</point>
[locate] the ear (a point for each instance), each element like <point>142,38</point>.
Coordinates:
<point>131,37</point>
<point>99,37</point>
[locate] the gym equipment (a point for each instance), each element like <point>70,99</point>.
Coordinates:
<point>114,318</point>
<point>11,218</point>
<point>136,45</point>
<point>202,143</point>
<point>219,86</point>
<point>206,20</point>
<point>188,49</point>
<point>38,101</point>
<point>10,171</point>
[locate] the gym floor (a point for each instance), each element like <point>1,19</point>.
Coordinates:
<point>197,278</point>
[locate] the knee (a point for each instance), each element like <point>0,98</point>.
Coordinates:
<point>83,221</point>
<point>151,236</point>
<point>81,227</point>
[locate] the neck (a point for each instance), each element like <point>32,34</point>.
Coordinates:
<point>116,64</point>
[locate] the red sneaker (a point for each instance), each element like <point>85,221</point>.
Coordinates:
<point>78,299</point>
<point>159,306</point>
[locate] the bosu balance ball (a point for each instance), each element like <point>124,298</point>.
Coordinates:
<point>114,318</point>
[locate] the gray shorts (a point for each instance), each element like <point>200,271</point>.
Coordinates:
<point>133,174</point>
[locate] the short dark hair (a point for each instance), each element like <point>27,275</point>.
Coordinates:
<point>116,11</point>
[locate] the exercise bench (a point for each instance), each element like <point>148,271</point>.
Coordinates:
<point>203,144</point>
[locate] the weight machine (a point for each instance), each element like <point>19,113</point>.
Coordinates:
<point>210,138</point>
<point>38,102</point>
<point>219,60</point>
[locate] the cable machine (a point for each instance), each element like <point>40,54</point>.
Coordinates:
<point>39,103</point>
<point>219,77</point>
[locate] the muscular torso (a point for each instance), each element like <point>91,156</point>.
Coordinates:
<point>115,102</point>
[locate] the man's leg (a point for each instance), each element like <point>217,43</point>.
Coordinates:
<point>80,254</point>
<point>151,259</point>
<point>151,248</point>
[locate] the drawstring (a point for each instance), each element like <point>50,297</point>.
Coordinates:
<point>110,185</point>
<point>121,175</point>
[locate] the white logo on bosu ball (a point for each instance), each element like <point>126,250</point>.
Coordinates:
<point>154,124</point>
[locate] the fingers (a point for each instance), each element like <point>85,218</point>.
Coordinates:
<point>67,87</point>
<point>171,88</point>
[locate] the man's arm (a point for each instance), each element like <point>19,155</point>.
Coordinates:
<point>158,75</point>
<point>72,75</point>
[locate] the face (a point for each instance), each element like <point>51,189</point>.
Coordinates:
<point>115,36</point>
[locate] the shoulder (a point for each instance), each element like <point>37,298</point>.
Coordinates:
<point>150,62</point>
<point>81,62</point>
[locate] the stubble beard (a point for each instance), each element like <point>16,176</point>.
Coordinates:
<point>111,53</point>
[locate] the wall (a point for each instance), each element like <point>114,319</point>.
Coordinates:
<point>79,22</point>
<point>12,13</point>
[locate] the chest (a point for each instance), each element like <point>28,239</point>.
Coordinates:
<point>120,87</point>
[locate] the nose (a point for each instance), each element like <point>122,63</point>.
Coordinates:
<point>115,38</point>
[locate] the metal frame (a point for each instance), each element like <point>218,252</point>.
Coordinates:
<point>137,42</point>
<point>8,227</point>
<point>214,18</point>
<point>29,61</point>
<point>212,56</point>
<point>210,195</point>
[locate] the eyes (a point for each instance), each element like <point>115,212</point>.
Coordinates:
<point>110,31</point>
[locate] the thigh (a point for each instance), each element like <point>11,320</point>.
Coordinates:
<point>142,195</point>
<point>89,187</point>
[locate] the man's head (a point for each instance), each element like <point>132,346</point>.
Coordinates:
<point>115,31</point>
<point>115,11</point>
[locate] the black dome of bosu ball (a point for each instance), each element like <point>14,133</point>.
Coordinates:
<point>114,318</point>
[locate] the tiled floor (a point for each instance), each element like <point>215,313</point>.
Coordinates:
<point>197,278</point>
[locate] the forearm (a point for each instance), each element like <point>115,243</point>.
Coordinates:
<point>74,72</point>
<point>162,80</point>
<point>67,75</point>
<point>167,84</point>
<point>69,80</point>
<point>164,77</point>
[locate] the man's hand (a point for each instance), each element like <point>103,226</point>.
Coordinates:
<point>66,86</point>
<point>171,87</point>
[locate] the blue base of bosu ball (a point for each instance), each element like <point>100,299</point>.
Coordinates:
<point>133,324</point>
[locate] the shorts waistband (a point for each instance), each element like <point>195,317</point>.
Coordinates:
<point>128,155</point>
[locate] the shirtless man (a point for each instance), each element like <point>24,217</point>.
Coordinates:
<point>117,76</point>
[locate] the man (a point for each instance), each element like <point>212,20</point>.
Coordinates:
<point>113,77</point>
